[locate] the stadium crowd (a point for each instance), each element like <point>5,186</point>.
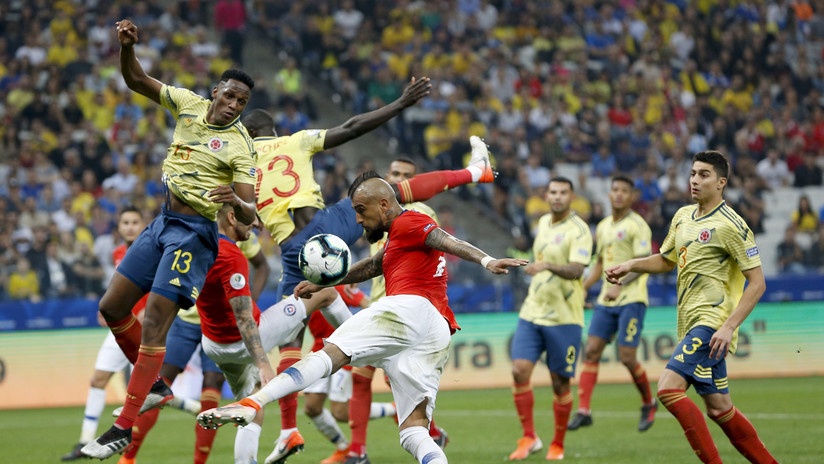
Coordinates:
<point>581,88</point>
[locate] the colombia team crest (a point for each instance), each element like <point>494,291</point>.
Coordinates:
<point>704,236</point>
<point>215,144</point>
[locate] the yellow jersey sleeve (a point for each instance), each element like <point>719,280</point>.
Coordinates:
<point>250,247</point>
<point>203,156</point>
<point>378,288</point>
<point>618,242</point>
<point>286,178</point>
<point>552,300</point>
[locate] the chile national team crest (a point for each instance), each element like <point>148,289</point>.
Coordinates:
<point>215,144</point>
<point>704,236</point>
<point>290,310</point>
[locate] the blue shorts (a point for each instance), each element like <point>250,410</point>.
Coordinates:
<point>691,359</point>
<point>560,342</point>
<point>172,256</point>
<point>338,219</point>
<point>181,342</point>
<point>626,320</point>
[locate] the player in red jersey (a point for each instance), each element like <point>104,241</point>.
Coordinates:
<point>110,357</point>
<point>237,336</point>
<point>407,333</point>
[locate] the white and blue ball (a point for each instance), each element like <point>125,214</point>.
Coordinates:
<point>324,259</point>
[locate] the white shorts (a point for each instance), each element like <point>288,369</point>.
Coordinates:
<point>278,325</point>
<point>110,358</point>
<point>407,337</point>
<point>338,386</point>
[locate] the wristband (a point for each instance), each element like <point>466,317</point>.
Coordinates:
<point>486,260</point>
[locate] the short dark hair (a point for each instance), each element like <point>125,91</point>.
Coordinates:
<point>564,180</point>
<point>363,177</point>
<point>715,158</point>
<point>258,120</point>
<point>623,178</point>
<point>403,159</point>
<point>130,209</point>
<point>238,75</point>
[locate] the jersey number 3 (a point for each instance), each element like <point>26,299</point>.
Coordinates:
<point>287,172</point>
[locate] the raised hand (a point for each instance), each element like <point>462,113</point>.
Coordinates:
<point>415,91</point>
<point>126,33</point>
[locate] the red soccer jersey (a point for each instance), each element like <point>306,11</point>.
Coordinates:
<point>412,268</point>
<point>117,256</point>
<point>228,278</point>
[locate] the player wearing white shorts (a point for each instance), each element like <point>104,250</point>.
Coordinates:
<point>236,335</point>
<point>407,333</point>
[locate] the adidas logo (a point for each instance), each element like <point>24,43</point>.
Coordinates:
<point>175,282</point>
<point>195,293</point>
<point>679,357</point>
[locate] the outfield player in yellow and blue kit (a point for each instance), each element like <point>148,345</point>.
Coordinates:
<point>620,309</point>
<point>210,162</point>
<point>714,251</point>
<point>551,317</point>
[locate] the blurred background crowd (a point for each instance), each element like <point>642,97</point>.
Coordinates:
<point>584,89</point>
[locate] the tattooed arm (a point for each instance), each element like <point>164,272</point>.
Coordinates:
<point>242,307</point>
<point>441,240</point>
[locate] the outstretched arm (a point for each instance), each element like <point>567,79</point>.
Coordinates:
<point>366,122</point>
<point>654,264</point>
<point>441,240</point>
<point>133,73</point>
<point>242,307</point>
<point>242,199</point>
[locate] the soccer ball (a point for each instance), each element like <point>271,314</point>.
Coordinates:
<point>324,259</point>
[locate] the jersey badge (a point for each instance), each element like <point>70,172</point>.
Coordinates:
<point>215,144</point>
<point>237,281</point>
<point>290,310</point>
<point>704,236</point>
<point>620,235</point>
<point>559,238</point>
<point>752,252</point>
<point>188,120</point>
<point>175,282</point>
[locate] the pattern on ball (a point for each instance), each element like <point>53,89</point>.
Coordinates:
<point>324,259</point>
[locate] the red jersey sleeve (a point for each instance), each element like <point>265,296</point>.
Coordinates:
<point>350,297</point>
<point>233,272</point>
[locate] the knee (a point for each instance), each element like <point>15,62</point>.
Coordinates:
<point>312,410</point>
<point>520,374</point>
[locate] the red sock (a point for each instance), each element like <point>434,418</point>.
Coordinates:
<point>145,372</point>
<point>524,404</point>
<point>743,436</point>
<point>289,403</point>
<point>140,429</point>
<point>359,407</point>
<point>433,429</point>
<point>562,406</point>
<point>428,184</point>
<point>639,376</point>
<point>209,398</point>
<point>127,334</point>
<point>589,375</point>
<point>693,423</point>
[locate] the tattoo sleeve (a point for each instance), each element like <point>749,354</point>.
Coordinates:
<point>365,269</point>
<point>242,307</point>
<point>440,239</point>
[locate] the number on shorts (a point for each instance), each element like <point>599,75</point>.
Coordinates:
<point>182,262</point>
<point>696,343</point>
<point>632,329</point>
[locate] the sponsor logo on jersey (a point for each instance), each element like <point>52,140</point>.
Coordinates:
<point>679,357</point>
<point>215,144</point>
<point>752,252</point>
<point>237,281</point>
<point>175,282</point>
<point>195,293</point>
<point>290,310</point>
<point>704,236</point>
<point>428,226</point>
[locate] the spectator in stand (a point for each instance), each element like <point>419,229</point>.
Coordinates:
<point>808,173</point>
<point>604,164</point>
<point>790,254</point>
<point>751,206</point>
<point>815,256</point>
<point>23,283</point>
<point>88,272</point>
<point>804,219</point>
<point>773,170</point>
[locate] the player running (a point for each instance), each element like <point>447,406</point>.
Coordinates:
<point>413,349</point>
<point>620,308</point>
<point>210,162</point>
<point>714,252</point>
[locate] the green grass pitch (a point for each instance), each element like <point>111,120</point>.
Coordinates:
<point>482,426</point>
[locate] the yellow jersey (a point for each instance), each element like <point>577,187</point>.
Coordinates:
<point>203,156</point>
<point>709,252</point>
<point>378,289</point>
<point>552,300</point>
<point>286,179</point>
<point>617,242</point>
